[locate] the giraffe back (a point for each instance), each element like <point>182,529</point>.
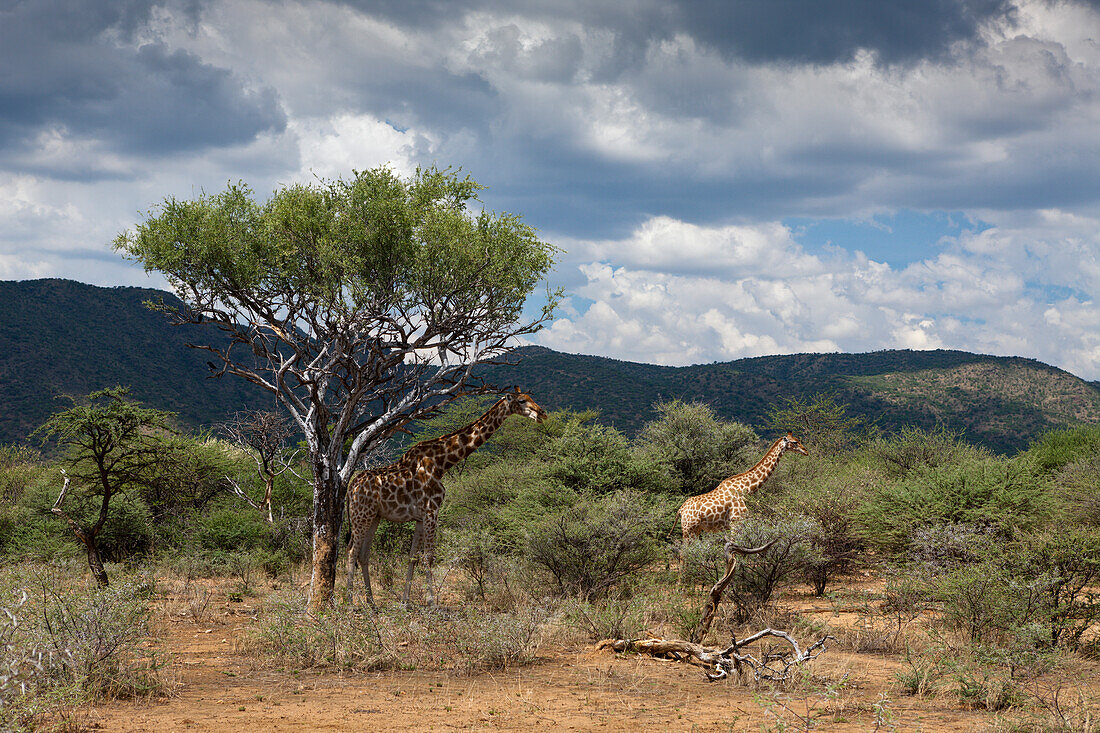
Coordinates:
<point>404,491</point>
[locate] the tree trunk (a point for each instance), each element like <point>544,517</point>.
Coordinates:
<point>86,536</point>
<point>95,562</point>
<point>328,515</point>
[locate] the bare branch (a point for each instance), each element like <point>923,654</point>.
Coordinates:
<point>719,663</point>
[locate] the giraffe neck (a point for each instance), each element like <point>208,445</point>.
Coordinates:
<point>759,473</point>
<point>465,441</point>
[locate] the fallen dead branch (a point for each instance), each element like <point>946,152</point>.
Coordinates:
<point>718,663</point>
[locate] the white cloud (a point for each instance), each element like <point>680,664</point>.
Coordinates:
<point>986,293</point>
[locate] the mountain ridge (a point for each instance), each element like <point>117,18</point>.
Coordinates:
<point>65,337</point>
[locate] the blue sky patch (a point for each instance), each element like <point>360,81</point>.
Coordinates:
<point>898,239</point>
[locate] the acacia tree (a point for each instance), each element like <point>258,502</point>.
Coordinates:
<point>110,445</point>
<point>360,304</point>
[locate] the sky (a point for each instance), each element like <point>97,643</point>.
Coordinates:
<point>724,178</point>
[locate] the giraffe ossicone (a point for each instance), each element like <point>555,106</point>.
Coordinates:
<point>411,490</point>
<point>718,509</point>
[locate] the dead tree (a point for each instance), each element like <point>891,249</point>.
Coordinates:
<point>263,434</point>
<point>718,663</point>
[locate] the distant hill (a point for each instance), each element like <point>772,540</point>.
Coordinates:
<point>1000,402</point>
<point>63,337</point>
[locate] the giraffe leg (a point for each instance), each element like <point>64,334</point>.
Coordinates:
<point>414,555</point>
<point>427,547</point>
<point>359,551</point>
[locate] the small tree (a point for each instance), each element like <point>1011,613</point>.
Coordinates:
<point>359,305</point>
<point>263,434</point>
<point>699,449</point>
<point>109,445</point>
<point>823,425</point>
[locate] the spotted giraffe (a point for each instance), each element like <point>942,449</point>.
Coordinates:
<point>411,489</point>
<point>721,507</point>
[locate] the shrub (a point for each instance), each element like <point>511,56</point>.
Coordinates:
<point>1077,483</point>
<point>1064,565</point>
<point>38,534</point>
<point>695,447</point>
<point>831,502</point>
<point>757,576</point>
<point>1059,448</point>
<point>613,617</point>
<point>230,529</point>
<point>913,449</point>
<point>477,553</point>
<point>943,547</point>
<point>465,640</point>
<point>593,546</point>
<point>66,640</point>
<point>978,490</point>
<point>597,459</point>
<point>703,559</point>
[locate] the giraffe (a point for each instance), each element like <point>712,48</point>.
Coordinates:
<point>411,489</point>
<point>721,507</point>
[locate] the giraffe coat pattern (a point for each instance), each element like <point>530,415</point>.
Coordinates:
<point>720,508</point>
<point>411,489</point>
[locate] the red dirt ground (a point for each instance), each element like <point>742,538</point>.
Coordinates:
<point>219,688</point>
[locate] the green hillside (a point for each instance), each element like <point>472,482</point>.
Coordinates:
<point>1000,402</point>
<point>63,337</point>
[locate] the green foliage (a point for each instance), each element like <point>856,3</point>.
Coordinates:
<point>829,495</point>
<point>913,449</point>
<point>596,459</point>
<point>978,489</point>
<point>230,529</point>
<point>820,422</point>
<point>599,543</point>
<point>696,448</point>
<point>1065,563</point>
<point>758,576</point>
<point>189,473</point>
<point>1059,448</point>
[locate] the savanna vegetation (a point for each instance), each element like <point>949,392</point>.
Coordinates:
<point>985,569</point>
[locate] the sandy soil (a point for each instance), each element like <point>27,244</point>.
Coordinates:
<point>219,688</point>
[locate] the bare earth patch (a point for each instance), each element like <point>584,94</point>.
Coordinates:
<point>219,688</point>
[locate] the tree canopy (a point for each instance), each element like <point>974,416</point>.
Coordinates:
<point>359,304</point>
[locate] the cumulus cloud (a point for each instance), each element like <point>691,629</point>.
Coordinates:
<point>967,297</point>
<point>85,74</point>
<point>661,143</point>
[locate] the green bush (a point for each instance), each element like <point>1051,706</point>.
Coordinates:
<point>977,490</point>
<point>230,529</point>
<point>758,576</point>
<point>1064,564</point>
<point>38,534</point>
<point>597,459</point>
<point>696,448</point>
<point>913,449</point>
<point>1059,448</point>
<point>599,543</point>
<point>831,501</point>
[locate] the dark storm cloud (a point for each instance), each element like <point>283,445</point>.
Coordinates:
<point>78,68</point>
<point>811,31</point>
<point>797,31</point>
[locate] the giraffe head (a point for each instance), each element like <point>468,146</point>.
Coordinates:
<point>520,403</point>
<point>789,442</point>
